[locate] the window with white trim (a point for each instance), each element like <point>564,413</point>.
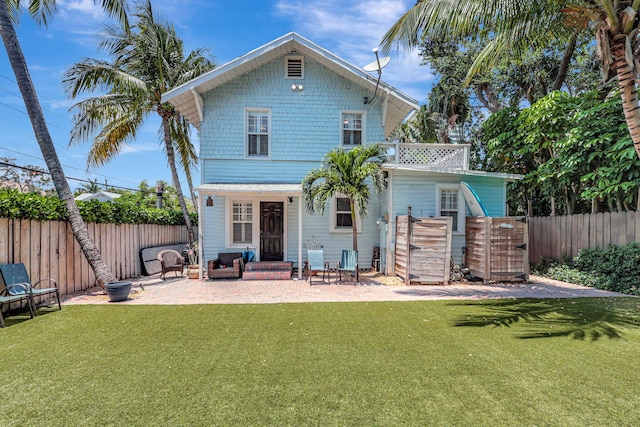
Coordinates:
<point>258,132</point>
<point>451,203</point>
<point>341,220</point>
<point>294,67</point>
<point>242,222</point>
<point>352,129</point>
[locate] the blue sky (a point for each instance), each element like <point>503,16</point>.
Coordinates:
<point>350,29</point>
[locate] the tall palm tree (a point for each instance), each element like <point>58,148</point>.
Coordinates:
<point>145,62</point>
<point>345,173</point>
<point>517,25</point>
<point>41,10</point>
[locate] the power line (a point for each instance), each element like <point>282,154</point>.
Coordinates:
<point>69,167</point>
<point>26,168</point>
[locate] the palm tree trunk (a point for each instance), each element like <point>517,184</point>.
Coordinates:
<point>79,228</point>
<point>628,89</point>
<point>174,173</point>
<point>566,61</point>
<point>354,225</point>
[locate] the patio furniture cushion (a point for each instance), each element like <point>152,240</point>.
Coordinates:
<point>228,265</point>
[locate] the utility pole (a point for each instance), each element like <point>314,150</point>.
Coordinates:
<point>159,191</point>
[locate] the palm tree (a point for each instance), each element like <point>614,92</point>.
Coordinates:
<point>145,62</point>
<point>345,173</point>
<point>516,26</point>
<point>41,11</point>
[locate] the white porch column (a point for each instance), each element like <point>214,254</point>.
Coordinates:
<point>300,236</point>
<point>200,235</point>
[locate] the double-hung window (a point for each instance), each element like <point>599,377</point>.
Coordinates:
<point>242,222</point>
<point>258,132</point>
<point>450,203</point>
<point>343,213</point>
<point>341,221</point>
<point>351,129</point>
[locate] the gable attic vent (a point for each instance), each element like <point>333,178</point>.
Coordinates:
<point>294,67</point>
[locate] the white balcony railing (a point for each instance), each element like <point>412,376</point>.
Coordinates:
<point>436,156</point>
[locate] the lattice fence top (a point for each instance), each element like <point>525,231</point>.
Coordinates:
<point>425,155</point>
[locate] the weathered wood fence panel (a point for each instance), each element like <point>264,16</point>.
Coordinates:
<point>560,236</point>
<point>497,248</point>
<point>48,249</point>
<point>423,249</point>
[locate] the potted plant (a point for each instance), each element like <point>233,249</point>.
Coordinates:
<point>193,269</point>
<point>118,291</point>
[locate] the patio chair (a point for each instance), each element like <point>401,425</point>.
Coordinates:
<point>14,293</point>
<point>16,274</point>
<point>228,265</point>
<point>315,264</point>
<point>170,260</point>
<point>349,265</point>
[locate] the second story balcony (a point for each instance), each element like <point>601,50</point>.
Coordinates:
<point>428,156</point>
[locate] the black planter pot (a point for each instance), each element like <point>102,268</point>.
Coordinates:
<point>118,291</point>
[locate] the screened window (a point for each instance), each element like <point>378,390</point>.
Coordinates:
<point>343,213</point>
<point>351,129</point>
<point>258,129</point>
<point>449,205</point>
<point>242,221</point>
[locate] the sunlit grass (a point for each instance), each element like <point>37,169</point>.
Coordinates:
<point>509,362</point>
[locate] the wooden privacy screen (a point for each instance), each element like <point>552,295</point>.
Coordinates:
<point>423,249</point>
<point>497,248</point>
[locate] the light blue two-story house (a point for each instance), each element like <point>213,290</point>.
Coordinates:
<point>265,119</point>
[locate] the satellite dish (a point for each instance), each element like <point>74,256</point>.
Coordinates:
<point>377,65</point>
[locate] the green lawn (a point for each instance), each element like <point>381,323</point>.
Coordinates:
<point>492,363</point>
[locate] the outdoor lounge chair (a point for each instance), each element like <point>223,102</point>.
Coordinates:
<point>228,265</point>
<point>316,264</point>
<point>14,293</point>
<point>349,265</point>
<point>170,260</point>
<point>16,274</point>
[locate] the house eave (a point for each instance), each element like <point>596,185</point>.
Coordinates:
<point>184,98</point>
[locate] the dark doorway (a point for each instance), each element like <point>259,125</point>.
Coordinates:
<point>271,231</point>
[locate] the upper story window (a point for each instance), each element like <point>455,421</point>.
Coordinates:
<point>451,203</point>
<point>294,67</point>
<point>242,222</point>
<point>258,132</point>
<point>352,129</point>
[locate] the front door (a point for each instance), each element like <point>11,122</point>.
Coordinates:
<point>271,231</point>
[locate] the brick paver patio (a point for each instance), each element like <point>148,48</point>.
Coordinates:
<point>186,291</point>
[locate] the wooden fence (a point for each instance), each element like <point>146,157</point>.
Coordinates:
<point>48,249</point>
<point>423,249</point>
<point>557,236</point>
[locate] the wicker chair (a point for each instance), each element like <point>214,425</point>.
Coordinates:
<point>228,265</point>
<point>170,260</point>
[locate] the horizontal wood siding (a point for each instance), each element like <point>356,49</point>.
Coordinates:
<point>564,236</point>
<point>49,249</point>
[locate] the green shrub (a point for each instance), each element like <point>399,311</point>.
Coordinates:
<point>613,269</point>
<point>14,204</point>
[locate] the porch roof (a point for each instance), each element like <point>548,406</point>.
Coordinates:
<point>257,188</point>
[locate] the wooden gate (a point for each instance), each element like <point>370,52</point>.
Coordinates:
<point>423,249</point>
<point>497,248</point>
